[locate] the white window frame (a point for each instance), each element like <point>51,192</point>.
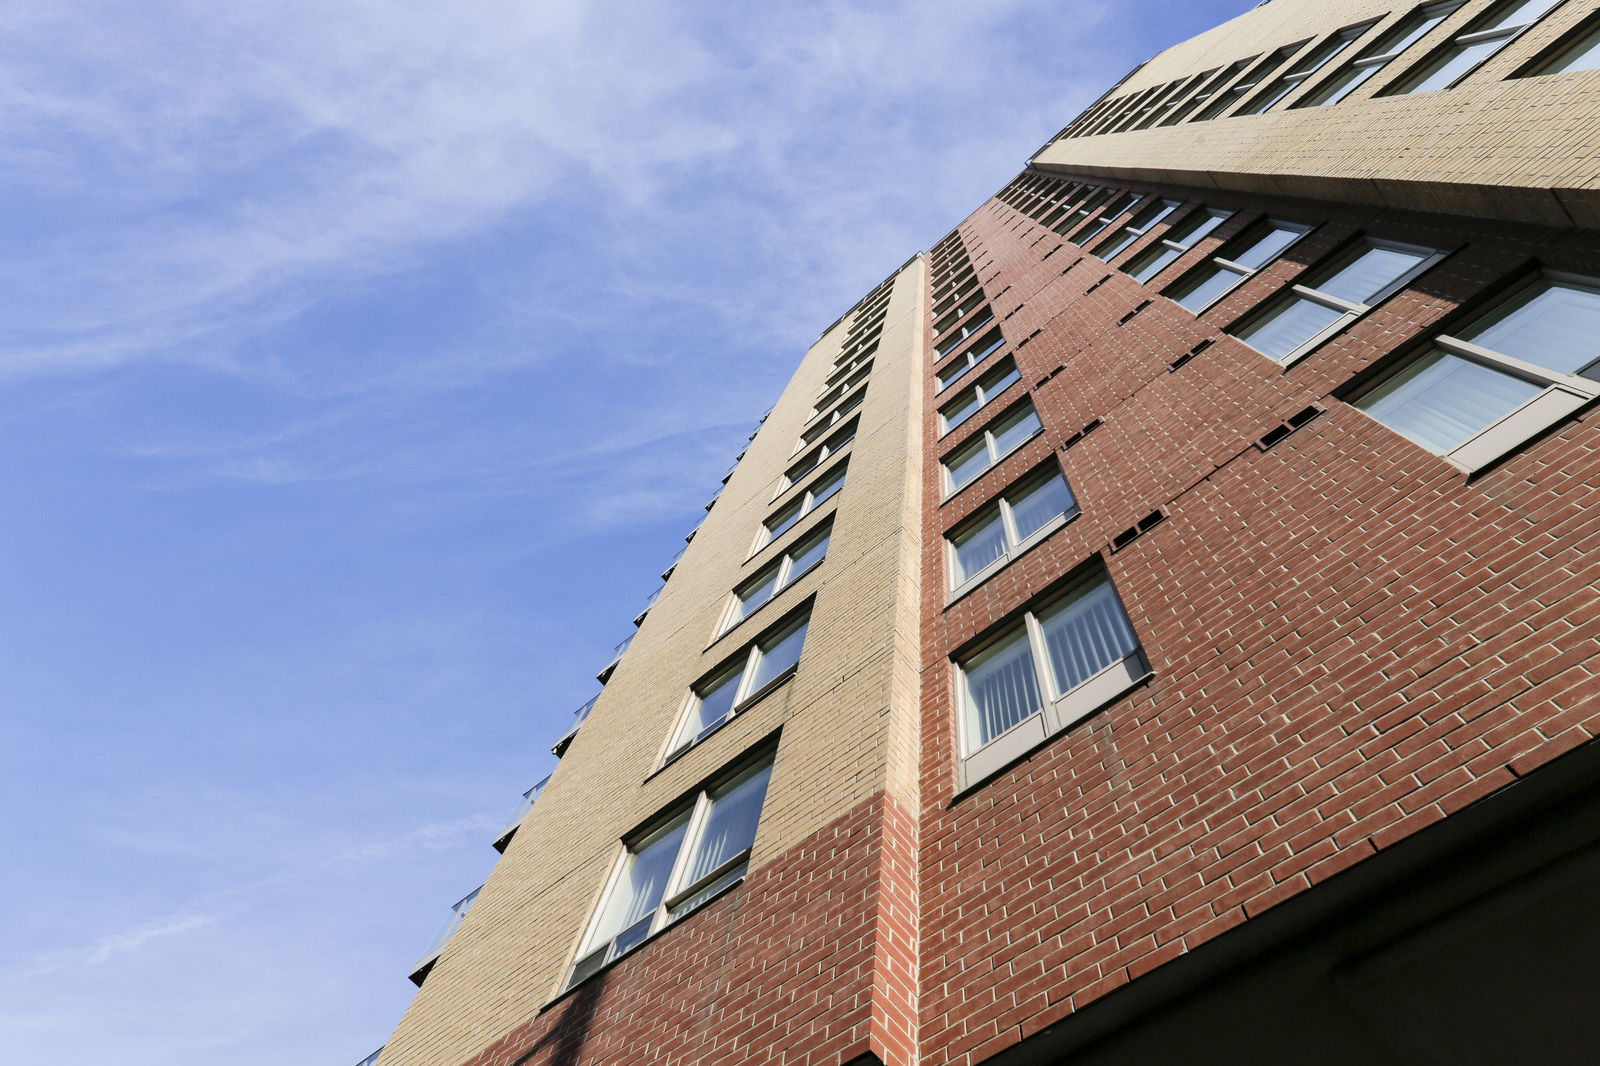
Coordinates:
<point>967,360</point>
<point>1241,272</point>
<point>1506,33</point>
<point>824,422</point>
<point>695,813</point>
<point>1349,310</point>
<point>953,339</point>
<point>984,440</point>
<point>1016,546</point>
<point>1224,78</point>
<point>745,692</point>
<point>786,576</point>
<point>986,392</point>
<point>1394,43</point>
<point>1284,85</point>
<point>1084,208</point>
<point>812,460</point>
<point>1113,210</point>
<point>1060,710</point>
<point>972,301</point>
<point>1563,395</point>
<point>1179,246</point>
<point>1136,227</point>
<point>1229,98</point>
<point>808,502</point>
<point>832,394</point>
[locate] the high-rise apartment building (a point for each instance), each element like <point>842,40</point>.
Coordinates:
<point>1158,624</point>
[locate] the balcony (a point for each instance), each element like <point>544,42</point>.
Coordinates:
<point>638,619</point>
<point>419,972</point>
<point>372,1059</point>
<point>674,564</point>
<point>559,748</point>
<point>616,657</point>
<point>516,819</point>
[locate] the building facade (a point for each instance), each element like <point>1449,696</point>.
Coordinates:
<point>1159,623</point>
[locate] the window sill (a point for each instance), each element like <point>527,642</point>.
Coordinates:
<point>1038,537</point>
<point>1034,732</point>
<point>733,715</point>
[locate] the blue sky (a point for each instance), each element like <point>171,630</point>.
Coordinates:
<point>362,365</point>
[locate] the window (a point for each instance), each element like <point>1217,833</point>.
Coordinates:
<point>1207,91</point>
<point>1335,296</point>
<point>1035,678</point>
<point>1468,51</point>
<point>718,698</point>
<point>808,501</point>
<point>848,404</point>
<point>985,347</point>
<point>1201,288</point>
<point>1234,93</point>
<point>990,445</point>
<point>672,870</point>
<point>967,306</point>
<point>1577,51</point>
<point>1531,361</point>
<point>963,331</point>
<point>1154,259</point>
<point>1136,227</point>
<point>776,576</point>
<point>1112,212</point>
<point>968,282</point>
<point>818,455</point>
<point>1023,515</point>
<point>1407,32</point>
<point>837,392</point>
<point>1090,203</point>
<point>1296,75</point>
<point>1179,94</point>
<point>990,385</point>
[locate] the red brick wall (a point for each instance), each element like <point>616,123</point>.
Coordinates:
<point>1350,638</point>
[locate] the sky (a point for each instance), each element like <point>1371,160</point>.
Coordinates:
<point>362,364</point>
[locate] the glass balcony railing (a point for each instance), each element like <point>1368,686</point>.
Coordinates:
<point>638,619</point>
<point>372,1059</point>
<point>419,972</point>
<point>674,564</point>
<point>616,657</point>
<point>578,716</point>
<point>523,808</point>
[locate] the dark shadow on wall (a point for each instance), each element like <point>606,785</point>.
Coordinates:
<point>563,1044</point>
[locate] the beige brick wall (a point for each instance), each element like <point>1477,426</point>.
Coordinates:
<point>1526,149</point>
<point>849,715</point>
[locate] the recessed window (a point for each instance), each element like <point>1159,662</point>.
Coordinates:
<point>964,308</point>
<point>1203,287</point>
<point>834,394</point>
<point>1185,235</point>
<point>1468,51</point>
<point>818,455</point>
<point>1090,203</point>
<point>813,497</point>
<point>848,404</point>
<point>968,282</point>
<point>1303,69</point>
<point>1024,514</point>
<point>981,350</point>
<point>714,701</point>
<point>1577,51</point>
<point>1234,93</point>
<point>989,445</point>
<point>672,870</point>
<point>1113,211</point>
<point>964,406</point>
<point>1208,91</point>
<point>1312,311</point>
<point>776,576</point>
<point>1388,47</point>
<point>963,331</point>
<point>1531,361</point>
<point>1136,227</point>
<point>1058,663</point>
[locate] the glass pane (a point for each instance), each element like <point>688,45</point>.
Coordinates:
<point>808,555</point>
<point>776,657</point>
<point>1085,635</point>
<point>996,383</point>
<point>1368,274</point>
<point>978,547</point>
<point>756,593</point>
<point>1440,401</point>
<point>1038,505</point>
<point>1152,262</point>
<point>825,488</point>
<point>1585,55</point>
<point>731,826</point>
<point>958,412</point>
<point>781,521</point>
<point>694,902</point>
<point>967,463</point>
<point>1207,286</point>
<point>1109,249</point>
<point>1015,429</point>
<point>1001,690</point>
<point>1341,85</point>
<point>1264,248</point>
<point>643,882</point>
<point>713,703</point>
<point>1288,326</point>
<point>1453,64</point>
<point>1517,14</point>
<point>1557,326</point>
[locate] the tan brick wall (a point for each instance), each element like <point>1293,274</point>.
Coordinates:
<point>1526,149</point>
<point>849,716</point>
